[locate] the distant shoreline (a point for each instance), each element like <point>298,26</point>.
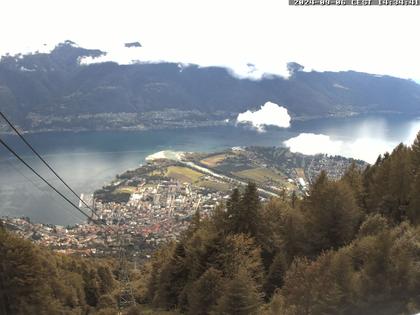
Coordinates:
<point>200,124</point>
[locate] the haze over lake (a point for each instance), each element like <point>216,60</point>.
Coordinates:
<point>88,160</point>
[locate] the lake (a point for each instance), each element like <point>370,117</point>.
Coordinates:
<point>88,160</point>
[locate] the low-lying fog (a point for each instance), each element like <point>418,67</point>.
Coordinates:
<point>363,140</point>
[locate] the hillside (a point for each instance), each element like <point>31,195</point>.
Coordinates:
<point>54,91</point>
<point>350,246</point>
<point>34,280</point>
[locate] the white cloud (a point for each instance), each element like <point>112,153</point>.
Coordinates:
<point>364,140</point>
<point>366,148</point>
<point>267,34</point>
<point>414,128</point>
<point>270,114</point>
<point>309,143</point>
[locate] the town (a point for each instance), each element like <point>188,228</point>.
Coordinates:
<point>154,204</point>
<point>158,211</point>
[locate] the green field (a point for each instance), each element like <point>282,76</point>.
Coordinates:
<point>213,160</point>
<point>219,186</point>
<point>183,174</point>
<point>260,175</point>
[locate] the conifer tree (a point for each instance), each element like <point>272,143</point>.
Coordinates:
<point>172,279</point>
<point>242,212</point>
<point>373,225</point>
<point>284,229</point>
<point>249,207</point>
<point>399,184</point>
<point>92,290</point>
<point>413,212</point>
<point>353,177</point>
<point>332,216</point>
<point>415,154</point>
<point>106,280</point>
<point>317,192</point>
<point>220,220</point>
<point>310,287</point>
<point>194,224</point>
<point>24,278</point>
<point>293,199</point>
<point>233,204</point>
<point>233,212</point>
<point>276,273</point>
<point>205,292</point>
<point>240,251</point>
<point>387,184</point>
<point>239,297</point>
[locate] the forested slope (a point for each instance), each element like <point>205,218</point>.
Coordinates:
<point>350,247</point>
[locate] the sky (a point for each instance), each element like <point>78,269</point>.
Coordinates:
<point>264,33</point>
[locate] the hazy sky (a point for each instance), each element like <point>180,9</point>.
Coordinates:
<point>266,33</point>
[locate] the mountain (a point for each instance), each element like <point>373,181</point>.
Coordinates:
<point>41,89</point>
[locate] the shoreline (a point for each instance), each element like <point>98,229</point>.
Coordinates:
<point>210,123</point>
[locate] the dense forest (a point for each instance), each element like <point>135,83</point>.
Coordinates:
<point>34,280</point>
<point>350,246</point>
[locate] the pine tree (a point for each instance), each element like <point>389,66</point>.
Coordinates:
<point>317,192</point>
<point>249,207</point>
<point>158,263</point>
<point>310,287</point>
<point>387,185</point>
<point>240,251</point>
<point>92,291</point>
<point>205,292</point>
<point>415,154</point>
<point>24,273</point>
<point>220,219</point>
<point>399,184</point>
<point>353,177</point>
<point>233,212</point>
<point>376,270</point>
<point>276,273</point>
<point>233,203</point>
<point>332,216</point>
<point>106,280</point>
<point>242,212</point>
<point>194,224</point>
<point>373,225</point>
<point>413,212</point>
<point>239,297</point>
<point>293,199</point>
<point>172,279</point>
<point>283,230</point>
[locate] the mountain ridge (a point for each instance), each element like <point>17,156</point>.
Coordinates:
<point>56,84</point>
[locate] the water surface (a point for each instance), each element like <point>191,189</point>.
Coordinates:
<point>88,160</point>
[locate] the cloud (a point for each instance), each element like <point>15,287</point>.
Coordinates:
<point>414,128</point>
<point>365,148</point>
<point>310,143</point>
<point>209,43</point>
<point>365,140</point>
<point>270,114</point>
